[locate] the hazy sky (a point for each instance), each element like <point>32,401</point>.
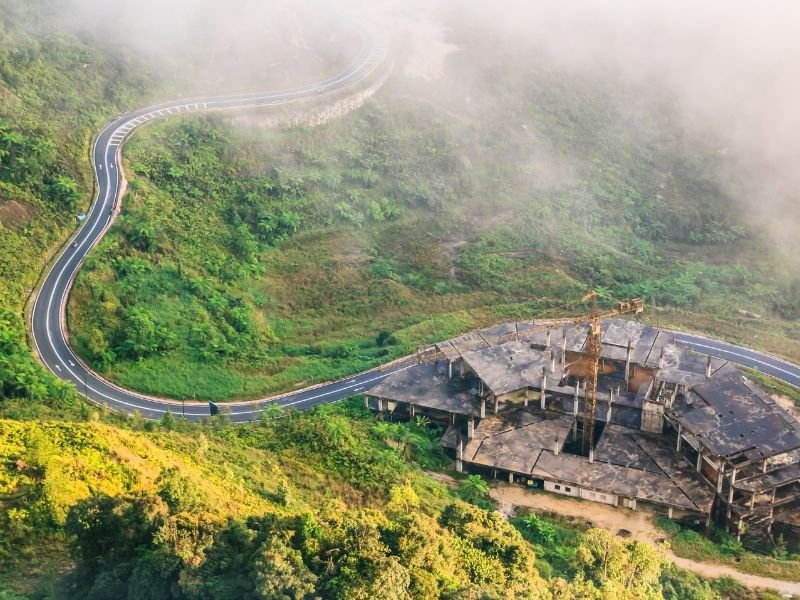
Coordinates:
<point>731,68</point>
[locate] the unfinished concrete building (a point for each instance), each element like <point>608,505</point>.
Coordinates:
<point>677,431</point>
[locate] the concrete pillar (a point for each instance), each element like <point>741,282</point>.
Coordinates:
<point>449,369</point>
<point>547,345</point>
<point>470,427</point>
<point>452,418</point>
<point>556,447</point>
<point>527,394</point>
<point>730,491</point>
<point>564,348</point>
<point>543,394</point>
<point>496,404</point>
<point>627,365</point>
<point>739,530</point>
<point>720,476</point>
<point>669,512</point>
<point>591,453</point>
<point>461,368</point>
<point>510,478</point>
<point>678,446</point>
<point>459,454</point>
<point>483,408</point>
<point>552,361</point>
<point>661,359</point>
<point>752,500</point>
<point>480,387</point>
<point>412,410</point>
<point>764,466</point>
<point>494,473</point>
<point>577,394</point>
<point>380,404</point>
<point>633,503</point>
<point>610,404</point>
<point>708,367</point>
<point>699,457</point>
<point>366,401</point>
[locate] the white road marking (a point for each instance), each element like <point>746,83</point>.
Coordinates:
<point>750,358</point>
<point>115,141</point>
<point>71,364</point>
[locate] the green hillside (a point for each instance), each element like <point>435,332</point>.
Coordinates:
<point>56,91</point>
<point>324,504</point>
<point>250,261</point>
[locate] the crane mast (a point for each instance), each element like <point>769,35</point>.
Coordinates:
<point>592,352</point>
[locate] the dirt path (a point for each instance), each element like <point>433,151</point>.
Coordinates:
<point>638,523</point>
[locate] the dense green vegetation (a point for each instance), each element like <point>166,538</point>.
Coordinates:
<point>55,91</point>
<point>727,550</point>
<point>247,259</point>
<point>328,503</point>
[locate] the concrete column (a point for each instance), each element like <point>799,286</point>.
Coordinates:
<point>633,503</point>
<point>739,530</point>
<point>496,404</point>
<point>720,475</point>
<point>678,446</point>
<point>669,512</point>
<point>380,404</point>
<point>661,359</point>
<point>627,365</point>
<point>591,453</point>
<point>708,367</point>
<point>480,387</point>
<point>564,348</point>
<point>483,408</point>
<point>366,401</point>
<point>730,491</point>
<point>699,457</point>
<point>470,427</point>
<point>544,385</point>
<point>556,447</point>
<point>764,466</point>
<point>752,500</point>
<point>547,345</point>
<point>449,370</point>
<point>452,418</point>
<point>610,404</point>
<point>527,394</point>
<point>510,478</point>
<point>412,410</point>
<point>461,369</point>
<point>459,454</point>
<point>552,361</point>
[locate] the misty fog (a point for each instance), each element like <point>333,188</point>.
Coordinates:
<point>730,70</point>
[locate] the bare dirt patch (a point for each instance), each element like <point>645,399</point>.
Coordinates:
<point>14,214</point>
<point>788,405</point>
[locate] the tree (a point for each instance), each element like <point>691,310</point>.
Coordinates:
<point>542,531</point>
<point>473,488</point>
<point>602,553</point>
<point>282,574</point>
<point>179,493</point>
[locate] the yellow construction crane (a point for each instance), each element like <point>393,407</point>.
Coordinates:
<point>592,352</point>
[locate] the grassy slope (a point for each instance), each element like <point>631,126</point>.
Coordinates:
<point>255,261</point>
<point>55,92</point>
<point>346,491</point>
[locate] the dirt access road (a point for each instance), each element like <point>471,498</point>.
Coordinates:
<point>638,523</point>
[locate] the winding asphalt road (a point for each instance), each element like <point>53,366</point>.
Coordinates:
<point>48,315</point>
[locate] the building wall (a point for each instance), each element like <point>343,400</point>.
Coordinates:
<point>562,488</point>
<point>598,496</point>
